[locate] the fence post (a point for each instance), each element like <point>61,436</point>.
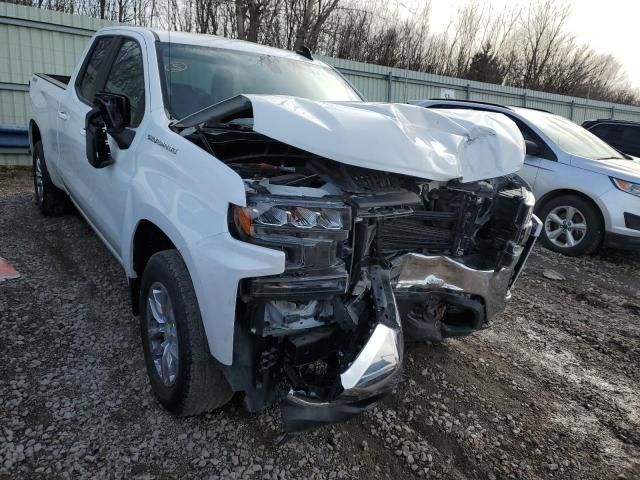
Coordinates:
<point>468,91</point>
<point>573,108</point>
<point>613,111</point>
<point>389,86</point>
<point>524,99</point>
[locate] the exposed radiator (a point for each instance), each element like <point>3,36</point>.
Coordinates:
<point>423,230</point>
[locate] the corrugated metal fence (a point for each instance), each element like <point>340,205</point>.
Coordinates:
<point>37,40</point>
<point>386,84</point>
<point>34,40</point>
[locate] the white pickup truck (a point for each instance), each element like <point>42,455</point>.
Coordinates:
<point>275,228</point>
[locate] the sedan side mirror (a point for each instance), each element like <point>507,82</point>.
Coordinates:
<point>533,148</point>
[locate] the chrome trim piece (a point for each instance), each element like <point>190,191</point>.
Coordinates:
<point>536,229</point>
<point>419,272</point>
<point>374,366</point>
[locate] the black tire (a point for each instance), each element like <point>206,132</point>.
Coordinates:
<point>589,241</point>
<point>199,385</point>
<point>51,201</point>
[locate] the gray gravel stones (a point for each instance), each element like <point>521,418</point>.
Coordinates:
<point>549,392</point>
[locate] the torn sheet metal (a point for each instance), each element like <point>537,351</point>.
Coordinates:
<point>397,138</point>
<point>440,273</point>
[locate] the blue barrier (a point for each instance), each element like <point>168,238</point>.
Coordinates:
<point>14,139</point>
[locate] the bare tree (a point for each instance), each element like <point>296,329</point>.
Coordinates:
<point>527,47</point>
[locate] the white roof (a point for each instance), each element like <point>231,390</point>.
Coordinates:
<point>216,42</point>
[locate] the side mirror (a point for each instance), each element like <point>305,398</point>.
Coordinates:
<point>98,150</point>
<point>111,115</point>
<point>115,110</point>
<point>533,148</point>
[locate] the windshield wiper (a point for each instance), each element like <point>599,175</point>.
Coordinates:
<point>611,158</point>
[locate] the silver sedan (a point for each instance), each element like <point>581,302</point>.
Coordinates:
<point>588,193</point>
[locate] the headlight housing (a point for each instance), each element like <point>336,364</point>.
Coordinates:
<point>626,186</point>
<point>312,233</point>
<point>282,216</point>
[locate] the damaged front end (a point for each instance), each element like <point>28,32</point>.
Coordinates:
<point>371,258</point>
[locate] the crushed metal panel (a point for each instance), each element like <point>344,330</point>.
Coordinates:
<point>397,138</point>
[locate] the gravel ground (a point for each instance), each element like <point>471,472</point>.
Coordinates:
<point>550,392</point>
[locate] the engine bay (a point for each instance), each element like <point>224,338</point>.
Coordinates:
<point>346,233</point>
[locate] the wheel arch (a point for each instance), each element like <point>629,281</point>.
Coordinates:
<point>34,133</point>
<point>148,238</point>
<point>540,203</point>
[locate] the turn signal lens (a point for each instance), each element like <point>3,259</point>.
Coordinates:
<point>626,186</point>
<point>244,221</point>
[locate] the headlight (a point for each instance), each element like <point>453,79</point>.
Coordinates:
<point>312,233</point>
<point>284,216</point>
<point>625,186</point>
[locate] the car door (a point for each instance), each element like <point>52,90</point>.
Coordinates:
<point>72,111</point>
<point>110,185</point>
<point>104,191</point>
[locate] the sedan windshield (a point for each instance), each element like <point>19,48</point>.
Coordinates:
<point>196,77</point>
<point>570,137</point>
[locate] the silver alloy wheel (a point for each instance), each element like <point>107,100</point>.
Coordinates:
<point>565,226</point>
<point>162,333</point>
<point>39,179</point>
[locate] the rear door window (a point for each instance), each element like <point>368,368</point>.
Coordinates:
<point>89,79</point>
<point>608,132</point>
<point>631,135</point>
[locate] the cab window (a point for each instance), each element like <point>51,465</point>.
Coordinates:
<point>126,77</point>
<point>89,79</point>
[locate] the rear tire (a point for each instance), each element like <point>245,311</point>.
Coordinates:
<point>195,382</point>
<point>571,226</point>
<point>51,201</point>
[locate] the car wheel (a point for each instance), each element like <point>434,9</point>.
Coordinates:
<point>50,199</point>
<point>184,377</point>
<point>572,226</point>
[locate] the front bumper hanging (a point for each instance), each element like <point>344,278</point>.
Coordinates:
<point>372,374</point>
<point>482,294</point>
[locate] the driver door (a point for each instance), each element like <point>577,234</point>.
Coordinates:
<point>104,191</point>
<point>75,170</point>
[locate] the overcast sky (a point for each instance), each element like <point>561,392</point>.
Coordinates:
<point>609,26</point>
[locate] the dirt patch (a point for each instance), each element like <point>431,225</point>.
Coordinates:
<point>550,392</point>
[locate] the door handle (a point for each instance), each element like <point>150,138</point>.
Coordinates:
<point>63,115</point>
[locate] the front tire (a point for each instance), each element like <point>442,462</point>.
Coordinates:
<point>571,226</point>
<point>51,201</point>
<point>184,377</point>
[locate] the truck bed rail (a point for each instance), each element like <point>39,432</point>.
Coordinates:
<point>58,80</point>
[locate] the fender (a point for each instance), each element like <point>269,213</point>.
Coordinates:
<point>194,218</point>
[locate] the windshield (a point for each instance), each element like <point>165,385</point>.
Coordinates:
<point>570,137</point>
<point>195,77</point>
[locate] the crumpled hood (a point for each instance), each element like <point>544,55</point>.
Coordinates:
<point>399,138</point>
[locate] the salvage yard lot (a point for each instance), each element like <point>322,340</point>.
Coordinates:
<point>551,392</point>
